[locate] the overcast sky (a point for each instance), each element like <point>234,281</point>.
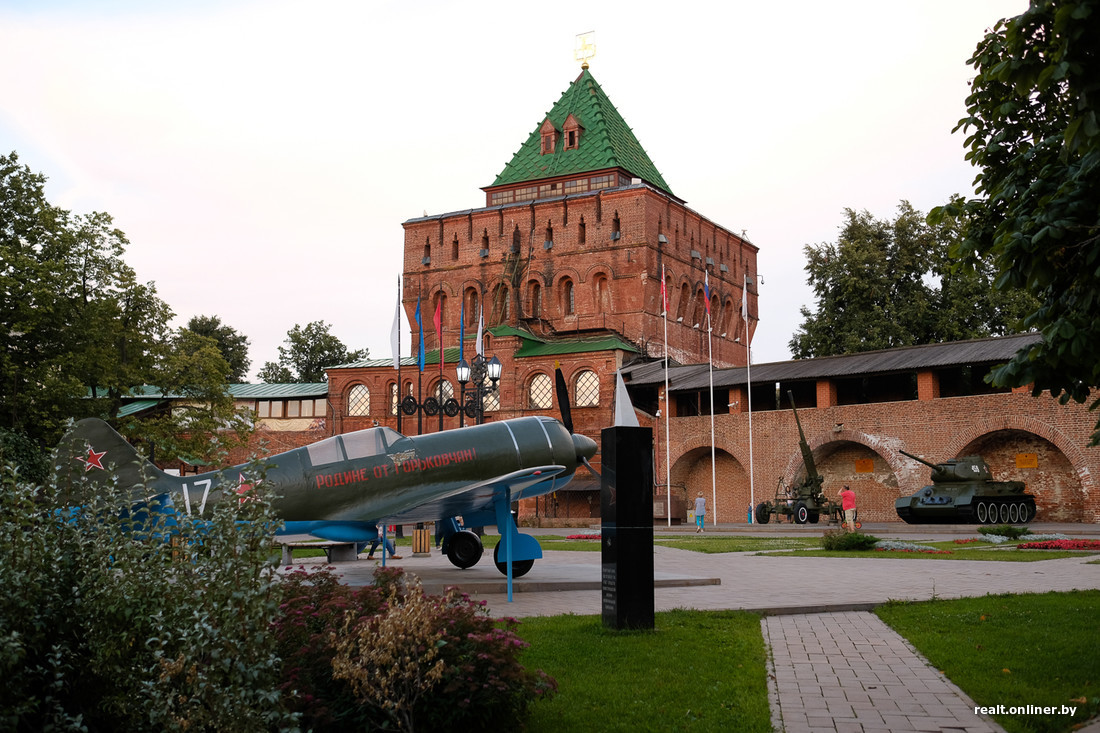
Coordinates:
<point>261,156</point>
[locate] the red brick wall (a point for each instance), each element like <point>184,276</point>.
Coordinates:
<point>998,427</point>
<point>630,264</point>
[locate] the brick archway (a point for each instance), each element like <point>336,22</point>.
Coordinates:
<point>691,473</point>
<point>1073,452</point>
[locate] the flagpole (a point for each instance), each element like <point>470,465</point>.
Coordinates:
<point>748,379</point>
<point>668,466</point>
<point>713,466</point>
<point>396,335</point>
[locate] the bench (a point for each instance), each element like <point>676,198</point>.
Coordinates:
<point>334,551</point>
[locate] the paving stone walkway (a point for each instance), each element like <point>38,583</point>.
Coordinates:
<point>850,672</point>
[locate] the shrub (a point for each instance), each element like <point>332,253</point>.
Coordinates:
<point>839,540</point>
<point>390,655</point>
<point>104,625</point>
<point>1005,530</point>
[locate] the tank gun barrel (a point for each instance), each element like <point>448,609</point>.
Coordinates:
<point>918,460</point>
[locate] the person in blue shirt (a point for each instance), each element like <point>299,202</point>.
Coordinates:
<point>700,512</point>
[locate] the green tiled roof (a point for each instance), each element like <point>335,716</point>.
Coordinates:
<point>535,346</point>
<point>606,141</point>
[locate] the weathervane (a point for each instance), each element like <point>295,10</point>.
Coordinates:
<point>585,48</point>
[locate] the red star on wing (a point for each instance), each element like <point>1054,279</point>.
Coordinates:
<point>94,460</point>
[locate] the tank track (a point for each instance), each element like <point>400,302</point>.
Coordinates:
<point>971,514</point>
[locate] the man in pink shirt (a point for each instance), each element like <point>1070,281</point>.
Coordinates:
<point>848,504</point>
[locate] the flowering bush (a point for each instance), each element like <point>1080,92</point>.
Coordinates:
<point>967,541</point>
<point>834,539</point>
<point>357,659</point>
<point>1005,530</point>
<point>1061,545</point>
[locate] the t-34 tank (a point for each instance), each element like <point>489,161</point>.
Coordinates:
<point>963,492</point>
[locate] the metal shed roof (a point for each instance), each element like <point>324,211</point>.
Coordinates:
<point>928,356</point>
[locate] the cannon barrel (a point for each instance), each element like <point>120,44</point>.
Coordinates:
<point>919,460</point>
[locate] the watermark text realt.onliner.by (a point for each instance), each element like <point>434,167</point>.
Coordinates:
<point>1026,710</point>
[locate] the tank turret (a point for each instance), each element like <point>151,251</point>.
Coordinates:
<point>963,492</point>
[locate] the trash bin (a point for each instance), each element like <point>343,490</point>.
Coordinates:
<point>422,541</point>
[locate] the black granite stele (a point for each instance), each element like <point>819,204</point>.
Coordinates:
<point>626,508</point>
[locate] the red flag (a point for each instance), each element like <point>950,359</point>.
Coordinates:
<point>439,328</point>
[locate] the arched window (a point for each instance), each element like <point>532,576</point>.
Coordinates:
<point>603,294</point>
<point>472,300</point>
<point>682,306</point>
<point>580,232</point>
<point>393,398</point>
<point>540,393</point>
<point>586,389</point>
<point>536,299</point>
<point>359,400</point>
<point>699,312</point>
<point>454,248</point>
<point>500,304</point>
<point>568,302</point>
<point>448,390</point>
<point>491,401</point>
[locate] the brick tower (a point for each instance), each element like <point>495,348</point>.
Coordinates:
<point>563,264</point>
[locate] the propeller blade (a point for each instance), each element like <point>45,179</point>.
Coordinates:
<point>589,467</point>
<point>563,397</point>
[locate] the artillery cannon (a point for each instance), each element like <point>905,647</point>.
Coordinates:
<point>805,502</point>
<point>963,492</point>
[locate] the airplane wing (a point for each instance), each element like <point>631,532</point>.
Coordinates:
<point>479,496</point>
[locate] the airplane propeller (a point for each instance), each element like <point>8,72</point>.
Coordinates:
<point>583,443</point>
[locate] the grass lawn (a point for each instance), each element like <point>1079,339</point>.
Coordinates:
<point>1013,650</point>
<point>698,670</point>
<point>713,544</point>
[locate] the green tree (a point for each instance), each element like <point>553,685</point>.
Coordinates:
<point>232,344</point>
<point>885,284</point>
<point>73,316</point>
<point>307,353</point>
<point>202,423</point>
<point>1034,135</point>
<point>78,331</point>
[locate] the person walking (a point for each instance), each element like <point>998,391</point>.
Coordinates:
<point>848,505</point>
<point>387,547</point>
<point>700,512</point>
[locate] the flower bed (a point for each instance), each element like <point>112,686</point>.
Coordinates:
<point>967,541</point>
<point>1061,545</point>
<point>582,537</point>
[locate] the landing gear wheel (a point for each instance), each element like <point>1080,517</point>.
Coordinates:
<point>464,549</point>
<point>801,513</point>
<point>763,516</point>
<point>983,514</point>
<point>1004,513</point>
<point>519,567</point>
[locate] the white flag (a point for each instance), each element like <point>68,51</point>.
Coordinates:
<point>745,299</point>
<point>395,334</point>
<point>480,328</point>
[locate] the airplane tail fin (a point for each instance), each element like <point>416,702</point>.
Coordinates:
<point>93,455</point>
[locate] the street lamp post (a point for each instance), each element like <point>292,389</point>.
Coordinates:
<point>474,407</point>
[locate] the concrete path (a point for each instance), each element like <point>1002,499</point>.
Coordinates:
<point>835,667</point>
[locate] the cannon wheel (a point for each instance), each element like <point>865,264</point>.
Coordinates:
<point>801,512</point>
<point>763,515</point>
